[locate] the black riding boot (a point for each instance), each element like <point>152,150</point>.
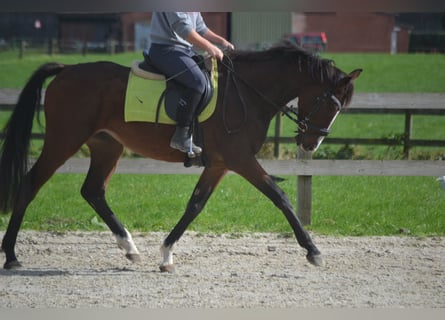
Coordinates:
<point>182,141</point>
<point>182,138</point>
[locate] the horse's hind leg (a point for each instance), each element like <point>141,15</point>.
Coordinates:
<point>25,195</point>
<point>41,171</point>
<point>105,152</point>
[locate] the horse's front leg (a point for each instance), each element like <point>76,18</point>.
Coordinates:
<point>256,175</point>
<point>203,190</point>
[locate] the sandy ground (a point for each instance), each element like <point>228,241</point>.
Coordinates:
<point>86,269</point>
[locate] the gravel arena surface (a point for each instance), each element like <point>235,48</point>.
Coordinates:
<point>86,269</point>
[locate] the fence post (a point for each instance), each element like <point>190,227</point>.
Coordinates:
<point>22,45</point>
<point>304,196</point>
<point>52,44</point>
<point>276,140</point>
<point>111,46</point>
<point>407,136</point>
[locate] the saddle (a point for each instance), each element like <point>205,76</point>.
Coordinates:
<point>174,91</point>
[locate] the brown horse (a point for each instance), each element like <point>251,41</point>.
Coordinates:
<point>84,105</point>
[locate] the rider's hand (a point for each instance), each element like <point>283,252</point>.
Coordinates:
<point>215,52</point>
<point>228,46</point>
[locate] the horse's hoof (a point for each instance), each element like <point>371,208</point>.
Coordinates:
<point>11,265</point>
<point>315,259</point>
<point>133,257</point>
<point>170,268</point>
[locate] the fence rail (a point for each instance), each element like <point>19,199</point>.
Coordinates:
<point>24,47</point>
<point>297,167</point>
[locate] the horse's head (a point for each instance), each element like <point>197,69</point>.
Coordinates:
<point>318,106</point>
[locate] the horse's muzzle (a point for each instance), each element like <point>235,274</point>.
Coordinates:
<point>308,144</point>
<point>300,139</point>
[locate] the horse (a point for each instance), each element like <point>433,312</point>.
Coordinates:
<point>83,104</point>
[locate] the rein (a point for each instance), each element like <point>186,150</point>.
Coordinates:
<point>232,75</point>
<point>303,124</point>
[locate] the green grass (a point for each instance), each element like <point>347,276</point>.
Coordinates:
<point>14,72</point>
<point>341,205</point>
<point>381,72</point>
<point>394,73</point>
<point>378,206</point>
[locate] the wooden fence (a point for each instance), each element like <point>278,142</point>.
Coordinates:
<point>305,167</point>
<point>381,103</point>
<point>53,46</point>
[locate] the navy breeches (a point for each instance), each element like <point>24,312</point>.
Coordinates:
<point>177,62</point>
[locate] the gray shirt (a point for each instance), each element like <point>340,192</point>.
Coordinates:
<point>172,28</point>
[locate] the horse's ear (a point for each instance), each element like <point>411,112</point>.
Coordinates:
<point>354,74</point>
<point>343,83</point>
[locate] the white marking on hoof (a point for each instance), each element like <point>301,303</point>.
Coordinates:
<point>167,259</point>
<point>127,244</point>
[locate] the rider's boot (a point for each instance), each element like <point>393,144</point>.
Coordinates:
<point>182,139</point>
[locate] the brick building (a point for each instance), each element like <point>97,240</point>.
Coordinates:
<point>366,32</point>
<point>346,32</point>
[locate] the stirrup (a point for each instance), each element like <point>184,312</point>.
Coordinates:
<point>184,143</point>
<point>193,153</point>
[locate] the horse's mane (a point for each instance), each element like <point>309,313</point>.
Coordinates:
<point>320,69</point>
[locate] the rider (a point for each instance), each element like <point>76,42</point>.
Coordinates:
<point>173,35</point>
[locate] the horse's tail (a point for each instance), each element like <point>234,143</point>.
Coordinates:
<point>17,134</point>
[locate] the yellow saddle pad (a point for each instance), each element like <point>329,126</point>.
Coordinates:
<point>142,97</point>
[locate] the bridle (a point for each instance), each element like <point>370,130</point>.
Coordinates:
<point>304,125</point>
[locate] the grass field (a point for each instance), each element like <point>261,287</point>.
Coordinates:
<point>395,73</point>
<point>381,72</point>
<point>341,205</point>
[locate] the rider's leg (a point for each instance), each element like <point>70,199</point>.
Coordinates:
<point>178,64</point>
